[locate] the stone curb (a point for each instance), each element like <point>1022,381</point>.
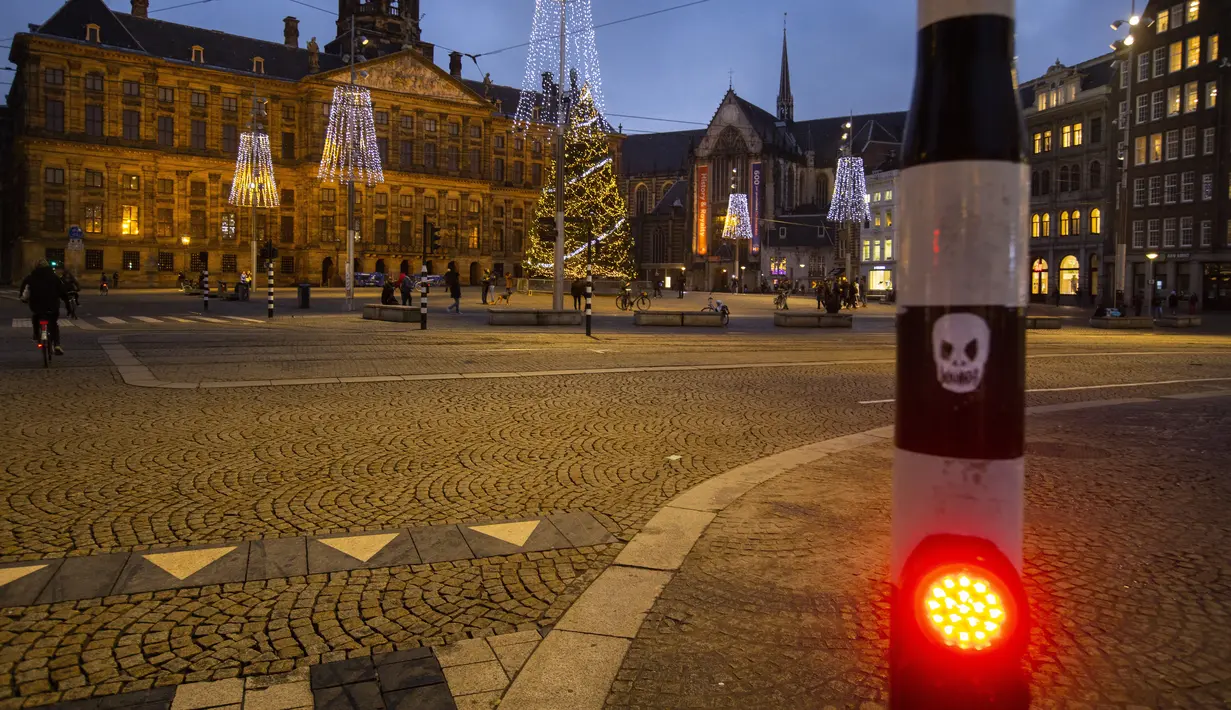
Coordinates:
<point>576,663</point>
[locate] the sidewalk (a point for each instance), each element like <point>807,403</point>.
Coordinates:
<point>782,602</point>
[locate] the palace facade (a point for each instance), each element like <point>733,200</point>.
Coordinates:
<point>128,127</point>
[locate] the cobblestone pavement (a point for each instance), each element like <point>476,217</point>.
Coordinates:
<point>93,466</point>
<point>783,601</point>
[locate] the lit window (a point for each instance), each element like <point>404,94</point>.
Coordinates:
<point>1042,102</point>
<point>888,195</point>
<point>1193,55</point>
<point>1066,137</point>
<point>1096,221</point>
<point>1211,94</point>
<point>1176,57</point>
<point>1038,143</point>
<point>1047,141</point>
<point>1035,222</point>
<point>1076,134</point>
<point>1069,280</point>
<point>1173,101</point>
<point>888,250</point>
<point>1161,21</point>
<point>1064,224</point>
<point>1191,102</point>
<point>1047,224</point>
<point>1075,222</point>
<point>1211,49</point>
<point>1156,147</point>
<point>128,220</point>
<point>867,250</point>
<point>888,218</point>
<point>1193,7</point>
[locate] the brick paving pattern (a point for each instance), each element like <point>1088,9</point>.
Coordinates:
<point>783,602</point>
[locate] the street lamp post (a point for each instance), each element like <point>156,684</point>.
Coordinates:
<point>1121,242</point>
<point>1150,283</point>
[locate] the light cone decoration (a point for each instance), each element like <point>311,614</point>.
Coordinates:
<point>254,182</point>
<point>737,226</point>
<point>351,152</point>
<point>543,57</point>
<point>850,191</point>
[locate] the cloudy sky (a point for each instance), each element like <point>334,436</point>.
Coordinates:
<point>845,54</point>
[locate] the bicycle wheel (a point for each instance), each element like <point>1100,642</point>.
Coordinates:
<point>726,318</point>
<point>46,348</point>
<point>621,303</point>
<point>643,303</point>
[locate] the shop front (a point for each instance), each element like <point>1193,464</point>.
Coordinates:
<point>1216,286</point>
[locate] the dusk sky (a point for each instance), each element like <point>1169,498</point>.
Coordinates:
<point>845,55</point>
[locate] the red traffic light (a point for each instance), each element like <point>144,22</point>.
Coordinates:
<point>965,607</point>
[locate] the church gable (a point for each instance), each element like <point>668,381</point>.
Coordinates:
<point>407,72</point>
<point>730,125</point>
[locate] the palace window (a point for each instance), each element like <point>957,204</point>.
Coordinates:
<point>53,215</point>
<point>164,226</point>
<point>230,103</point>
<point>230,138</point>
<point>166,130</point>
<point>93,178</point>
<point>92,33</point>
<point>53,176</point>
<point>381,118</point>
<point>408,123</point>
<point>328,195</point>
<point>53,77</point>
<point>94,81</point>
<point>406,154</point>
<point>196,223</point>
<point>166,261</point>
<point>132,261</point>
<point>227,228</point>
<point>230,264</point>
<point>128,220</point>
<point>132,125</point>
<point>94,120</point>
<point>93,259</point>
<point>198,54</point>
<point>406,201</point>
<point>53,119</point>
<point>131,182</point>
<point>199,99</point>
<point>198,135</point>
<point>196,188</point>
<point>132,88</point>
<point>166,186</point>
<point>498,170</point>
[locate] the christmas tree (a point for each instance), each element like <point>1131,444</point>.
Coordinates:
<point>591,196</point>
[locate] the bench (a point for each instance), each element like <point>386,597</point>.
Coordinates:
<point>706,319</point>
<point>1178,322</point>
<point>812,319</point>
<point>1123,323</point>
<point>532,316</point>
<point>1043,322</point>
<point>394,314</point>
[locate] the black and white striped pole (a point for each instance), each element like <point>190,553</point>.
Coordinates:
<point>589,285</point>
<point>270,309</point>
<point>205,289</point>
<point>960,621</point>
<point>423,297</point>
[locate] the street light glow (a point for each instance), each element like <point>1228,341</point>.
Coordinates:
<point>1134,20</point>
<point>1152,256</point>
<point>1128,41</point>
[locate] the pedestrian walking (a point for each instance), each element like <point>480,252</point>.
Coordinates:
<point>658,288</point>
<point>487,281</point>
<point>1173,302</point>
<point>115,279</point>
<point>453,282</point>
<point>578,290</point>
<point>508,288</point>
<point>1192,304</point>
<point>406,286</point>
<point>681,286</point>
<point>820,294</point>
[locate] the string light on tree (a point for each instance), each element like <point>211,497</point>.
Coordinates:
<point>849,203</point>
<point>254,184</point>
<point>351,152</point>
<point>591,194</point>
<point>543,59</point>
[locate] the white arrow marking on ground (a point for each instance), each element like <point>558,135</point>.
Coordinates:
<point>674,457</point>
<point>12,574</point>
<point>183,565</point>
<point>512,533</point>
<point>361,547</point>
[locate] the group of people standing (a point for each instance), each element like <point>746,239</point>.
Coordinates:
<point>405,284</point>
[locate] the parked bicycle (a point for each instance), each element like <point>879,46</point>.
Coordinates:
<point>628,302</point>
<point>717,306</point>
<point>780,301</point>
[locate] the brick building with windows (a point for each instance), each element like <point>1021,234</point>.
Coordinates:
<point>1068,124</point>
<point>1177,174</point>
<point>128,126</point>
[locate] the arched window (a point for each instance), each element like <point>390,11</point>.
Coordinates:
<point>666,189</point>
<point>1035,221</point>
<point>1075,178</point>
<point>1075,223</point>
<point>1070,280</point>
<point>1096,221</point>
<point>1064,222</point>
<point>1096,175</point>
<point>1046,187</point>
<point>1047,224</point>
<point>1034,185</point>
<point>1062,180</point>
<point>642,199</point>
<point>1038,278</point>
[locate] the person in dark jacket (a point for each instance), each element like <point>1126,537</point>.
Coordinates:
<point>44,296</point>
<point>407,287</point>
<point>386,293</point>
<point>453,282</point>
<point>578,289</point>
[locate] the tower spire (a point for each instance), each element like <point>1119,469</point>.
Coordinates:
<point>786,102</point>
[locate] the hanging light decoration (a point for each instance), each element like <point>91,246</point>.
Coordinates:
<point>849,203</point>
<point>254,183</point>
<point>738,225</point>
<point>543,57</point>
<point>351,152</point>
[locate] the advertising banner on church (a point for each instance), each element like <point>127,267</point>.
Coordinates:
<point>703,208</point>
<point>754,206</point>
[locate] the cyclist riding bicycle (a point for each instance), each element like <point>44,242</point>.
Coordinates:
<point>43,291</point>
<point>72,292</point>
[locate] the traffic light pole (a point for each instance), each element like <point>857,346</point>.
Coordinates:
<point>270,309</point>
<point>205,289</point>
<point>589,283</point>
<point>959,620</point>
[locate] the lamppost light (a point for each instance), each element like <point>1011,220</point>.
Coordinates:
<point>1134,20</point>
<point>1128,41</point>
<point>1117,24</point>
<point>1152,256</point>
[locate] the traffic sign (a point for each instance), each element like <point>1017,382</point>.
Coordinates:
<point>75,233</point>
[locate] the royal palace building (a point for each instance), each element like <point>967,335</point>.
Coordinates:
<point>127,127</point>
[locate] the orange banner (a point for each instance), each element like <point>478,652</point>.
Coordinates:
<point>701,243</point>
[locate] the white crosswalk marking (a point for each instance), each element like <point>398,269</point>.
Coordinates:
<point>112,320</point>
<point>65,323</point>
<point>246,320</point>
<point>146,319</point>
<point>22,323</point>
<point>209,320</point>
<point>177,320</point>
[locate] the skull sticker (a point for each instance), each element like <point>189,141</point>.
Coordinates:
<point>960,347</point>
